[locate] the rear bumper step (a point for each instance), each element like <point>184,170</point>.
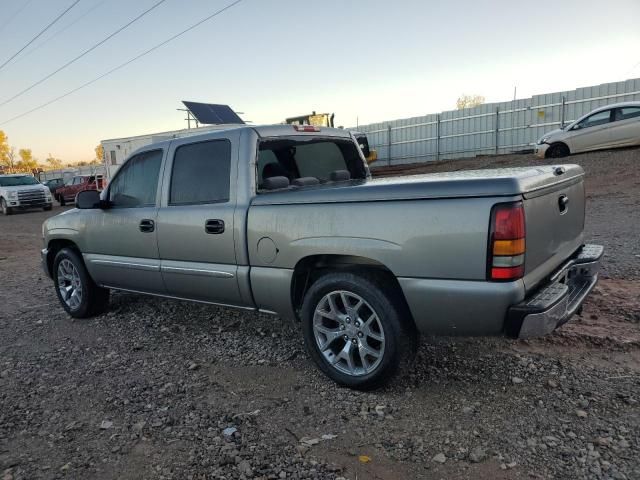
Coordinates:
<point>556,302</point>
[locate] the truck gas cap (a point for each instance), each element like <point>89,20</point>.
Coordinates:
<point>559,170</point>
<point>267,250</point>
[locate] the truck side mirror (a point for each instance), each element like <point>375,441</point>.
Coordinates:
<point>88,199</point>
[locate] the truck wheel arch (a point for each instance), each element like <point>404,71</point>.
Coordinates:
<point>311,268</point>
<point>54,247</point>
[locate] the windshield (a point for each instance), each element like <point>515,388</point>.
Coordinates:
<point>317,158</point>
<point>17,181</point>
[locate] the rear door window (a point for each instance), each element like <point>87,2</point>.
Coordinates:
<point>625,113</point>
<point>201,173</point>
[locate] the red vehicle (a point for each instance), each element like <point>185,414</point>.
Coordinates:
<point>67,193</point>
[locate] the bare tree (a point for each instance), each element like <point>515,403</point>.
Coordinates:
<point>469,101</point>
<point>11,159</point>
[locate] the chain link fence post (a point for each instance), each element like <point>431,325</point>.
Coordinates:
<point>497,127</point>
<point>437,137</point>
<point>389,145</point>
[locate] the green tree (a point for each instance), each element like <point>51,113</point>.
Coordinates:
<point>27,162</point>
<point>53,163</point>
<point>99,154</point>
<point>469,101</point>
<point>5,150</point>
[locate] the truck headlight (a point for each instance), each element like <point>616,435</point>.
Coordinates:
<point>543,140</point>
<point>12,194</point>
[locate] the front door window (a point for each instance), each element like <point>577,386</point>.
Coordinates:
<point>596,119</point>
<point>136,183</point>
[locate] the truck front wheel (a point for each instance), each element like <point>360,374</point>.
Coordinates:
<point>6,210</point>
<point>355,331</point>
<point>77,292</point>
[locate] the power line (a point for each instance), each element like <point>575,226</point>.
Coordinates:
<point>157,4</point>
<point>122,65</point>
<point>16,13</point>
<point>41,32</point>
<point>58,32</point>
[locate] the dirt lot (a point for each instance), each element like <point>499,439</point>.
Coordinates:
<point>147,390</point>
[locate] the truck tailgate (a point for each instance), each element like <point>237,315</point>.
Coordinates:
<point>554,224</point>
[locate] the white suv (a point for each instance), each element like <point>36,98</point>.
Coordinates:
<point>23,191</point>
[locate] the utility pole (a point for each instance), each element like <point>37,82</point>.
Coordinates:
<point>190,117</point>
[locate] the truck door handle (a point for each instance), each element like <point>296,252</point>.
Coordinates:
<point>147,225</point>
<point>214,226</point>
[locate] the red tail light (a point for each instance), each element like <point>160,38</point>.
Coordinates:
<point>505,259</point>
<point>306,128</point>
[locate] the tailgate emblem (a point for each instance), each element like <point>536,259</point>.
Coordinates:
<point>563,201</point>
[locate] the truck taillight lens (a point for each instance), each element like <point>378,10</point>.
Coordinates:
<point>306,128</point>
<point>506,242</point>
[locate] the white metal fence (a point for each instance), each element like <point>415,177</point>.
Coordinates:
<point>493,128</point>
<point>70,172</point>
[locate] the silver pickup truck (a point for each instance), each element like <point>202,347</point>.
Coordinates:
<point>287,220</point>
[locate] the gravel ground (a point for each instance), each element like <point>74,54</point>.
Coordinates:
<point>161,389</point>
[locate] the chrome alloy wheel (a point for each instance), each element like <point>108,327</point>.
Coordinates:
<point>69,284</point>
<point>348,333</point>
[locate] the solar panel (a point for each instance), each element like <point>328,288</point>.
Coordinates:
<point>212,114</point>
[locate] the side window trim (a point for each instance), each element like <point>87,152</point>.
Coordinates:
<point>123,168</point>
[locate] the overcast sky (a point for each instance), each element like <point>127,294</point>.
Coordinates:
<point>365,60</point>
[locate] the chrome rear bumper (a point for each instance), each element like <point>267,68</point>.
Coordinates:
<point>556,302</point>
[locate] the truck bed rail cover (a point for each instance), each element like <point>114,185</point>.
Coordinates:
<point>463,184</point>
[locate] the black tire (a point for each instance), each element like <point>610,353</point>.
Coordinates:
<point>6,210</point>
<point>47,208</point>
<point>558,150</point>
<point>400,337</point>
<point>94,299</point>
<point>61,200</point>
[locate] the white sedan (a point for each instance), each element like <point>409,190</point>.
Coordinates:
<point>612,126</point>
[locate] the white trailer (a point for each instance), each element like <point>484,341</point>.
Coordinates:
<point>117,150</point>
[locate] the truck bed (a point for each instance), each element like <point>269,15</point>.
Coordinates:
<point>461,214</point>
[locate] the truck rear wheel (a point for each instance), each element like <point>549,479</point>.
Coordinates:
<point>355,331</point>
<point>77,292</point>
